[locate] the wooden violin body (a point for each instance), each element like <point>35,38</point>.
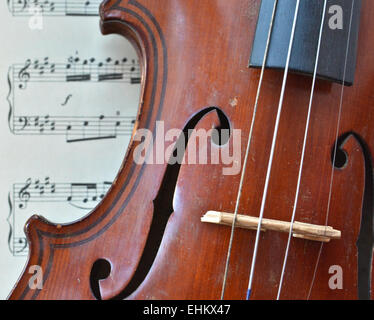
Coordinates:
<point>194,56</point>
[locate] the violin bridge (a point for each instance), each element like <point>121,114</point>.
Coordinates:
<point>299,230</point>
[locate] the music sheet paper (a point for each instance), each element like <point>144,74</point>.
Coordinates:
<point>68,102</point>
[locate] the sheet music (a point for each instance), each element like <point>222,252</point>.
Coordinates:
<point>55,7</point>
<point>68,102</point>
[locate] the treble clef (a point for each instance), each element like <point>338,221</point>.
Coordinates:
<point>24,195</point>
<point>24,75</point>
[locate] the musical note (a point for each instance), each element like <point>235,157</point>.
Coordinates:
<point>134,73</point>
<point>81,194</point>
<point>104,189</point>
<point>19,246</point>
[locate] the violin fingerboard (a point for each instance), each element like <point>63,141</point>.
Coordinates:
<point>340,31</point>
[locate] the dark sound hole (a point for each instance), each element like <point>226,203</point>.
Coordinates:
<point>341,159</point>
<point>221,135</point>
<point>100,270</point>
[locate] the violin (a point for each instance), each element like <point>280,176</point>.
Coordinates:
<point>249,174</point>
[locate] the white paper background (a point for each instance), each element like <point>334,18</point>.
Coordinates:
<point>36,157</point>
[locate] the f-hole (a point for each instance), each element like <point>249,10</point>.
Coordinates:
<point>163,203</point>
<point>100,270</point>
<point>365,241</point>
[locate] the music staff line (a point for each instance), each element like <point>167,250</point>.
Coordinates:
<point>54,8</point>
<point>83,196</point>
<point>74,128</point>
<point>38,191</point>
<point>127,72</point>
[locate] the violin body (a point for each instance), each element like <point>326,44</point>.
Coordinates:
<point>194,56</point>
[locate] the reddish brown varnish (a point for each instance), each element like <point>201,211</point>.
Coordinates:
<point>194,54</point>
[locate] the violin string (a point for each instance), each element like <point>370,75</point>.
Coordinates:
<point>264,196</point>
<point>248,149</point>
<point>303,151</point>
<point>335,147</point>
